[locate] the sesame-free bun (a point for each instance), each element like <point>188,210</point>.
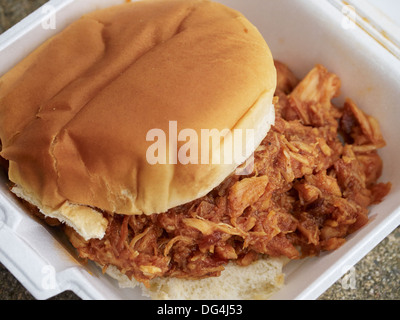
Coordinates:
<point>257,281</point>
<point>75,114</point>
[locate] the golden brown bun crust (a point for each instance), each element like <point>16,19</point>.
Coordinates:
<point>75,113</point>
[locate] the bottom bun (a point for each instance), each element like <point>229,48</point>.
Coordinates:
<point>257,281</point>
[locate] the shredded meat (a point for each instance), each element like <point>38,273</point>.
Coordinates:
<point>315,175</point>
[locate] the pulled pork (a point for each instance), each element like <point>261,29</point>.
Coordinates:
<point>314,176</point>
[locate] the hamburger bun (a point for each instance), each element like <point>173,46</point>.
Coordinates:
<point>258,281</point>
<point>75,113</point>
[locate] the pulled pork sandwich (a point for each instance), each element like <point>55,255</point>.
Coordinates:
<point>74,116</point>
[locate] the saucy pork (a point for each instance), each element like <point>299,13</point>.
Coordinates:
<point>314,177</point>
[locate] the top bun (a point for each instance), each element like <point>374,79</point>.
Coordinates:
<point>74,114</point>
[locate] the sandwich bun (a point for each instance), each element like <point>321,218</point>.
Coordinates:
<point>257,281</point>
<point>75,113</point>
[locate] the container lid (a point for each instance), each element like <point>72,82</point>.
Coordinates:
<point>379,18</point>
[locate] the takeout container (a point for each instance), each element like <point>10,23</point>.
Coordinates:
<point>300,33</point>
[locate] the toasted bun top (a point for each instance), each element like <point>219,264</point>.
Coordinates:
<point>75,114</point>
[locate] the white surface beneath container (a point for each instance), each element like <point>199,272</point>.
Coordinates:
<point>300,33</point>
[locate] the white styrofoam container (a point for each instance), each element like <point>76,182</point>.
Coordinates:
<point>300,33</point>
